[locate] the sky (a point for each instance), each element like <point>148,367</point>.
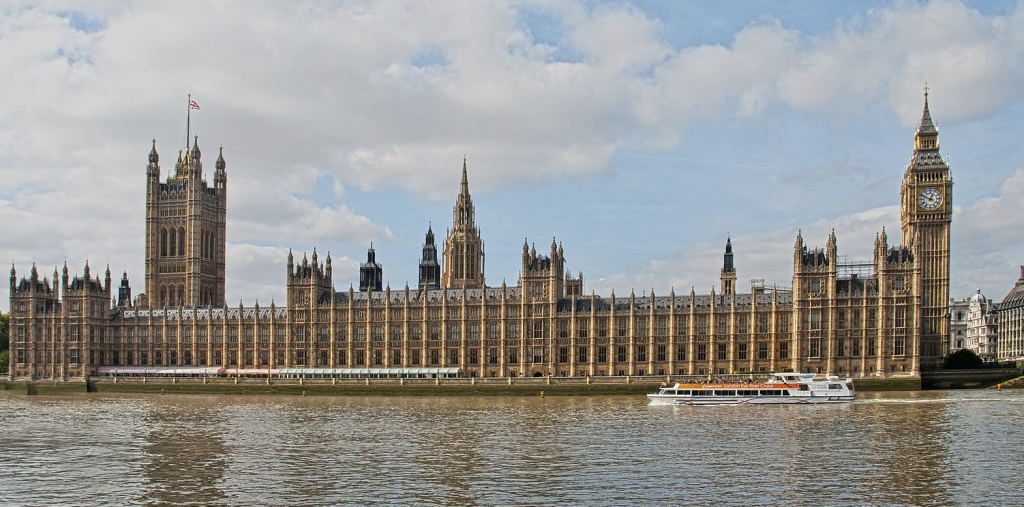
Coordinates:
<point>639,135</point>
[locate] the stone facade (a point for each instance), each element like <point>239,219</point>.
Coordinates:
<point>1011,323</point>
<point>185,232</point>
<point>877,318</point>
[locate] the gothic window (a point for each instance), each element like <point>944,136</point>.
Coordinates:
<point>702,325</point>
<point>538,329</point>
<point>513,356</point>
<point>538,354</point>
<point>602,354</point>
<point>454,353</point>
<point>762,324</point>
<point>621,353</point>
<point>474,331</point>
<point>762,350</point>
<point>581,354</point>
<point>784,350</point>
<point>841,320</point>
<point>581,328</point>
<point>494,331</point>
<point>513,331</point>
<point>563,354</point>
<point>641,326</point>
<point>743,325</point>
<point>815,348</point>
<point>622,326</point>
<point>723,325</point>
<point>681,353</point>
<point>815,320</point>
<point>723,351</point>
<point>900,318</point>
<point>181,241</point>
<point>661,352</point>
<point>702,352</point>
<point>741,351</point>
<point>641,352</point>
<point>163,242</point>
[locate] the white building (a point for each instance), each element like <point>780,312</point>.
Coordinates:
<point>958,323</point>
<point>982,327</point>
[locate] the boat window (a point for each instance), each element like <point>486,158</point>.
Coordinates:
<point>670,392</point>
<point>684,393</point>
<point>726,392</point>
<point>701,392</point>
<point>803,387</point>
<point>835,386</point>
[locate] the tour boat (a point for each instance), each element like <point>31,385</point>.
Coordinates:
<point>781,388</point>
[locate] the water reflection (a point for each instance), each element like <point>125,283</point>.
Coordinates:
<point>891,448</point>
<point>185,453</point>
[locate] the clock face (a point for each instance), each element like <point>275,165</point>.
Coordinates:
<point>929,199</point>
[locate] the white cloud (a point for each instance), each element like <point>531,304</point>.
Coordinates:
<point>385,95</point>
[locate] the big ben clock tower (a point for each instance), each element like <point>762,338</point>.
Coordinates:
<point>926,209</point>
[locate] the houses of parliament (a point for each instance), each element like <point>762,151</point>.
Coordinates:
<point>879,318</point>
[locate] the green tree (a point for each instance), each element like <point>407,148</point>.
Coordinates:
<point>3,361</point>
<point>4,342</point>
<point>963,359</point>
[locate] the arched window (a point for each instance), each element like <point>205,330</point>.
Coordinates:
<point>181,295</point>
<point>163,242</point>
<point>181,241</point>
<point>173,242</point>
<point>163,293</point>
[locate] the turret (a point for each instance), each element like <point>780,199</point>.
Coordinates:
<point>371,274</point>
<point>728,275</point>
<point>430,269</point>
<point>153,168</point>
<point>124,293</point>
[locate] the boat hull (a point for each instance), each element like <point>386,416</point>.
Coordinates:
<point>759,400</point>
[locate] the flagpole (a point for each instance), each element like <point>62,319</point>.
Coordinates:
<point>188,121</point>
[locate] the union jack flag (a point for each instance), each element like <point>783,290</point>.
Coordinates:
<point>193,104</point>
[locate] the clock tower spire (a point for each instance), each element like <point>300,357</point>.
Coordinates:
<point>926,210</point>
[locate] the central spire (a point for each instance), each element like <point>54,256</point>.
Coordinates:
<point>462,217</point>
<point>463,249</point>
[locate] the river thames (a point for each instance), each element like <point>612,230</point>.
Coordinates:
<point>904,448</point>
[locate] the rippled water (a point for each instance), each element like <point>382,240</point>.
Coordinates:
<point>923,448</point>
